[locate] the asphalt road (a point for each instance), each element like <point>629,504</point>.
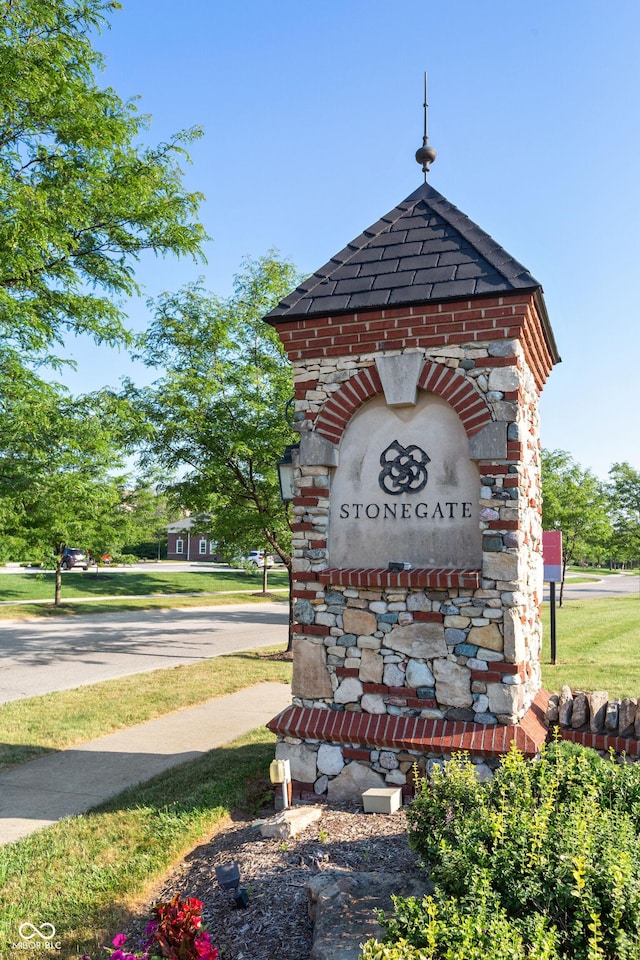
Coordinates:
<point>40,656</point>
<point>614,585</point>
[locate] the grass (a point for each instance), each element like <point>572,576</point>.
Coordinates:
<point>86,874</point>
<point>55,721</point>
<point>597,646</point>
<point>600,571</point>
<point>76,583</point>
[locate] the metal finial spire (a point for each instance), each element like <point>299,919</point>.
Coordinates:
<point>426,154</point>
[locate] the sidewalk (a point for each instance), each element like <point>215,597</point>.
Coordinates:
<point>38,793</point>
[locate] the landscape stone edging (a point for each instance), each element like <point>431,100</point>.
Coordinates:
<point>594,720</point>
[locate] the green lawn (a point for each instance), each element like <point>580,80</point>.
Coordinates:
<point>85,874</point>
<point>112,582</point>
<point>597,646</point>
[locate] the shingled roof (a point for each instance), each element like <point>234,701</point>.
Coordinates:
<point>424,250</point>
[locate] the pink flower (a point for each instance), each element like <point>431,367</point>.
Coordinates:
<point>204,949</point>
<point>119,940</point>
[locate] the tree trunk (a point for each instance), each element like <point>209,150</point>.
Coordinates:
<point>564,573</point>
<point>264,575</point>
<point>58,589</point>
<point>290,634</point>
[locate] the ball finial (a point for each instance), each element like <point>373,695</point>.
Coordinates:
<point>425,156</point>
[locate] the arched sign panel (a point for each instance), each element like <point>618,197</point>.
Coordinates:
<point>405,489</point>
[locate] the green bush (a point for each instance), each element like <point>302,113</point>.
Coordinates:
<point>428,930</point>
<point>548,849</point>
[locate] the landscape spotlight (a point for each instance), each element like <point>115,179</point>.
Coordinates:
<point>228,876</point>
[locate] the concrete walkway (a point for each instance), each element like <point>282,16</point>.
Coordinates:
<point>36,794</point>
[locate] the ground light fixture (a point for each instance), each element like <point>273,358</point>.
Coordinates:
<point>286,468</point>
<point>228,877</point>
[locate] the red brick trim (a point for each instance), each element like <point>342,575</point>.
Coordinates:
<point>453,387</point>
<point>360,730</point>
<point>602,741</point>
<point>458,391</point>
<point>438,578</point>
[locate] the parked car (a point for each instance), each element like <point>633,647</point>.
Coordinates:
<point>257,559</point>
<point>74,557</point>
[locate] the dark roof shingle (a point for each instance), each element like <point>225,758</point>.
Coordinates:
<point>423,250</point>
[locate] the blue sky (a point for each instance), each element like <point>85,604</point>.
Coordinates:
<point>313,112</point>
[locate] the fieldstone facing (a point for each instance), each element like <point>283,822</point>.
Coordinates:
<point>420,641</point>
<point>452,683</point>
<point>514,642</point>
<point>351,783</point>
<point>371,666</point>
<point>302,759</point>
<point>500,566</point>
<point>488,637</point>
<point>310,674</point>
<point>373,703</point>
<point>504,700</point>
<point>349,691</point>
<point>329,760</point>
<point>360,622</point>
<point>418,674</point>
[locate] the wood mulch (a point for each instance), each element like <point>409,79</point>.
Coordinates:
<point>275,923</point>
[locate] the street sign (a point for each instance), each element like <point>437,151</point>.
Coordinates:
<point>552,560</point>
<point>552,555</point>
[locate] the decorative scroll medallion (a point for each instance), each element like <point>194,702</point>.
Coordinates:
<point>404,469</point>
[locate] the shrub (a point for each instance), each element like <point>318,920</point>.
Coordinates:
<point>428,929</point>
<point>548,849</point>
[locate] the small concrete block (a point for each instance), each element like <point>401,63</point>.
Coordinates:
<point>382,799</point>
<point>290,822</point>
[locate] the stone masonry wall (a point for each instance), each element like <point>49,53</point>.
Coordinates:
<point>451,646</point>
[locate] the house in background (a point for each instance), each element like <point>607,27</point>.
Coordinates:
<point>184,542</point>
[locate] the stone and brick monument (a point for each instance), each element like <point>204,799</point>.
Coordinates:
<point>419,353</point>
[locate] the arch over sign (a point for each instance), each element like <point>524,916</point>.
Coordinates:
<point>446,383</point>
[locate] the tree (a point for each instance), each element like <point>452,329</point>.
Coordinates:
<point>148,514</point>
<point>218,413</point>
<point>59,480</point>
<point>624,491</point>
<point>81,199</point>
<point>575,502</point>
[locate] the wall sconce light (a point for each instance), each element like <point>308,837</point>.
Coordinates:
<point>286,469</point>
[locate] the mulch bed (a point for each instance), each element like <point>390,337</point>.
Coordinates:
<point>275,923</point>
